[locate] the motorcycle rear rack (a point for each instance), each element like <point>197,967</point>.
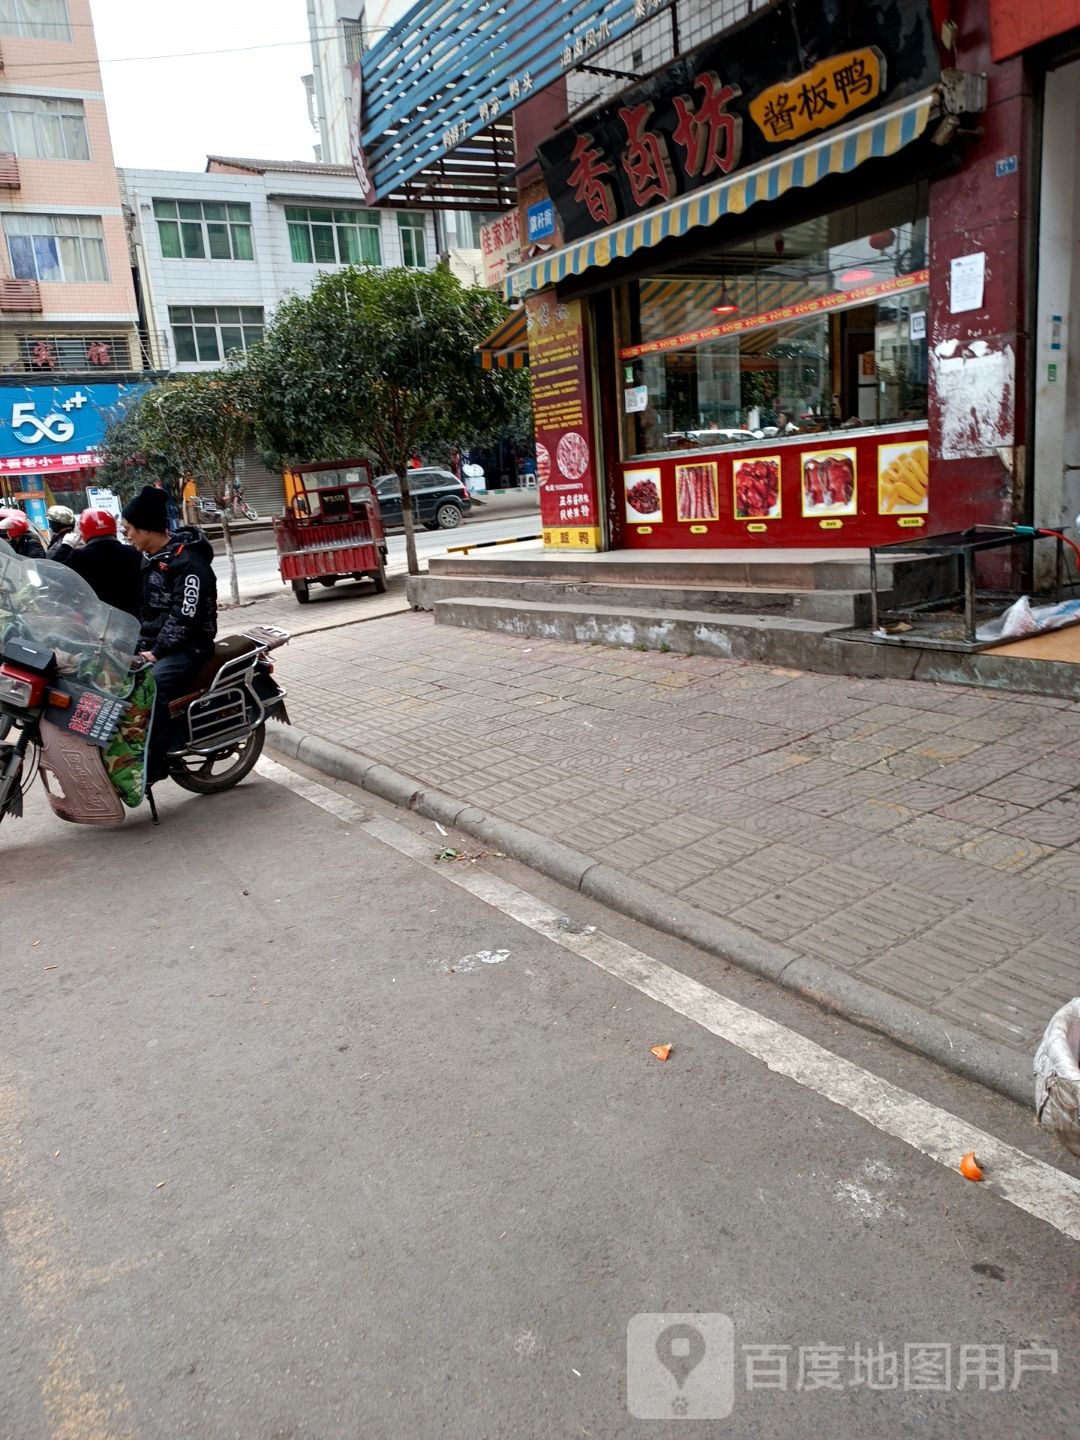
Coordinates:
<point>221,716</point>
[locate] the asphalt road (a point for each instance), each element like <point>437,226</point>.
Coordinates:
<point>302,1140</point>
<point>257,571</point>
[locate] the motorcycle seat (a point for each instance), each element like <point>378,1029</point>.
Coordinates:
<point>228,647</point>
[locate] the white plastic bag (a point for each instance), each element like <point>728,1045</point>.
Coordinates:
<point>1022,618</point>
<point>1057,1077</point>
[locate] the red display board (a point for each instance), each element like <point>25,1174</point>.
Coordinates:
<point>834,490</point>
<point>569,504</point>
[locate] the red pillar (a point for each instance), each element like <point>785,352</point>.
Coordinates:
<point>979,358</point>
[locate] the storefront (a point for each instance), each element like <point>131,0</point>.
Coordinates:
<point>731,345</point>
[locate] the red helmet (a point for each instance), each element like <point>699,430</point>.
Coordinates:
<point>94,524</point>
<point>14,524</point>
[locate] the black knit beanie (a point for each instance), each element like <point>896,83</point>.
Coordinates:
<point>148,510</point>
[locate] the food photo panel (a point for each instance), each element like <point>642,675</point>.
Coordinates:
<point>643,501</point>
<point>757,488</point>
<point>829,479</point>
<point>696,491</point>
<point>903,478</point>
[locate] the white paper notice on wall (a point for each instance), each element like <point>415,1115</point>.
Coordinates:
<point>635,398</point>
<point>967,279</point>
<point>917,325</point>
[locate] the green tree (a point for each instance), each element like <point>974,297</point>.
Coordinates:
<point>126,462</point>
<point>193,427</point>
<point>380,362</point>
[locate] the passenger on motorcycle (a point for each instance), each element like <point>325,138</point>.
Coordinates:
<point>112,569</point>
<point>16,529</point>
<point>61,528</point>
<point>178,610</point>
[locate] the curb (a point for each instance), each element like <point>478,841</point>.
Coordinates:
<point>956,1049</point>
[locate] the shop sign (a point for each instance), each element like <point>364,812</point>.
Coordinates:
<point>57,427</point>
<point>541,219</point>
<point>816,305</point>
<point>500,246</point>
<point>823,96</point>
<point>735,102</point>
<point>356,134</point>
<point>565,464</point>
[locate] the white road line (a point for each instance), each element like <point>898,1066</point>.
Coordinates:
<point>1030,1184</point>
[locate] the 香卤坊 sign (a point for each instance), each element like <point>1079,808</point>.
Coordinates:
<point>735,102</point>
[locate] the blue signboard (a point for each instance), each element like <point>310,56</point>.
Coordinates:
<point>449,68</point>
<point>47,429</point>
<point>541,217</point>
<point>43,422</point>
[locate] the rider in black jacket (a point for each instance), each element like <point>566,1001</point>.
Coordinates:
<point>179,602</point>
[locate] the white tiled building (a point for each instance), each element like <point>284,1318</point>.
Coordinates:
<point>216,251</point>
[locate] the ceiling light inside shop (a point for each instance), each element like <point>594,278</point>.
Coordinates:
<point>725,305</point>
<point>860,275</point>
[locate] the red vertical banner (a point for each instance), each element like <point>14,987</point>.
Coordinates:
<point>565,441</point>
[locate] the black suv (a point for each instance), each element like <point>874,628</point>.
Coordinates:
<point>439,499</point>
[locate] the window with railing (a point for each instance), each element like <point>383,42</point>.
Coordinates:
<point>74,352</point>
<point>413,249</point>
<point>37,127</point>
<point>68,249</point>
<point>333,237</point>
<point>35,19</point>
<point>211,332</point>
<point>204,230</point>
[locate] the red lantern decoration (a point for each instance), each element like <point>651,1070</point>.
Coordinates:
<point>882,239</point>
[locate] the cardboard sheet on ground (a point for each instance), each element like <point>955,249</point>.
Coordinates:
<point>1053,645</point>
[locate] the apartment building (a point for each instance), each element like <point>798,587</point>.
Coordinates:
<point>70,344</point>
<point>215,252</point>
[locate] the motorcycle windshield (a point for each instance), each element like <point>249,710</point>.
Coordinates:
<point>48,604</point>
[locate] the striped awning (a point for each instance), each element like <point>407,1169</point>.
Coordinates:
<point>881,135</point>
<point>507,346</point>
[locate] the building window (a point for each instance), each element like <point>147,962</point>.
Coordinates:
<point>204,230</point>
<point>210,332</point>
<point>352,32</point>
<point>74,353</point>
<point>35,19</point>
<point>36,128</point>
<point>63,248</point>
<point>411,228</point>
<point>333,237</point>
<point>818,326</point>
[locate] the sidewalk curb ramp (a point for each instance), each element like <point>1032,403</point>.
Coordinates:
<point>955,1049</point>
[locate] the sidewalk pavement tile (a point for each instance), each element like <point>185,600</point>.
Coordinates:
<point>925,837</point>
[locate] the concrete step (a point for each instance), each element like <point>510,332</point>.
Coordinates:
<point>841,607</point>
<point>845,570</point>
<point>781,639</point>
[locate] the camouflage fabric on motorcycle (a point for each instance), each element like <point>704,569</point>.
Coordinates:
<point>125,759</point>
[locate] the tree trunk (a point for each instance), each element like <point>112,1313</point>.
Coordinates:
<point>230,554</point>
<point>411,561</point>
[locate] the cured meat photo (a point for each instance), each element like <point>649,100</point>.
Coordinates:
<point>572,455</point>
<point>695,486</point>
<point>643,501</point>
<point>757,488</point>
<point>644,497</point>
<point>543,464</point>
<point>828,482</point>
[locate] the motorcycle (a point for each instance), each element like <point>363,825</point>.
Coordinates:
<point>76,707</point>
